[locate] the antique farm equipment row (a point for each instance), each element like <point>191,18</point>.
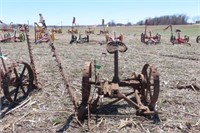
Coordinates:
<point>177,39</point>
<point>145,86</point>
<point>19,79</point>
<point>150,39</point>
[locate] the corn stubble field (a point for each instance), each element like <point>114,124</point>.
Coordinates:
<point>50,109</point>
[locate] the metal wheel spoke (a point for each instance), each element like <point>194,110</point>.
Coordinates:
<point>22,88</point>
<point>16,74</point>
<point>16,92</point>
<point>21,75</point>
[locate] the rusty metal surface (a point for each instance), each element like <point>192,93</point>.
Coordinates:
<point>86,86</point>
<point>151,90</point>
<point>145,86</point>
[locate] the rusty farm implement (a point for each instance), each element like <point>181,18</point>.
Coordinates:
<point>145,86</point>
<point>150,39</point>
<point>73,30</point>
<point>104,31</point>
<point>177,39</point>
<point>40,35</point>
<point>6,28</point>
<point>89,31</point>
<point>14,37</point>
<point>79,38</point>
<point>9,34</point>
<point>19,79</point>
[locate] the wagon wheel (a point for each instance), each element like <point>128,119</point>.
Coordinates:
<point>186,38</point>
<point>86,87</point>
<point>21,37</point>
<point>151,89</point>
<point>198,39</point>
<point>17,83</point>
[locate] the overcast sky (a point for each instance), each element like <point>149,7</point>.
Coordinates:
<point>91,12</point>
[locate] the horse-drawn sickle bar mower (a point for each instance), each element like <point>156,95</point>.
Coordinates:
<point>177,39</point>
<point>150,39</point>
<point>145,86</point>
<point>19,79</point>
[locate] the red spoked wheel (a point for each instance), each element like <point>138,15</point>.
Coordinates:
<point>150,91</point>
<point>17,83</point>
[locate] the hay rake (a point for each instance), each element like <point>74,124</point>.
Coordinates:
<point>19,79</point>
<point>145,86</point>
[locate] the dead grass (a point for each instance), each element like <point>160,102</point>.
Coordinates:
<point>50,109</point>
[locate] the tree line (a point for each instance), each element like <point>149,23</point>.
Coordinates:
<point>180,19</point>
<point>165,20</point>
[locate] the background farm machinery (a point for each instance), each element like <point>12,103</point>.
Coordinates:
<point>6,28</point>
<point>9,34</point>
<point>104,31</point>
<point>177,39</point>
<point>77,38</point>
<point>89,31</point>
<point>150,39</point>
<point>19,79</point>
<point>145,86</point>
<point>14,36</point>
<point>40,35</point>
<point>57,30</point>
